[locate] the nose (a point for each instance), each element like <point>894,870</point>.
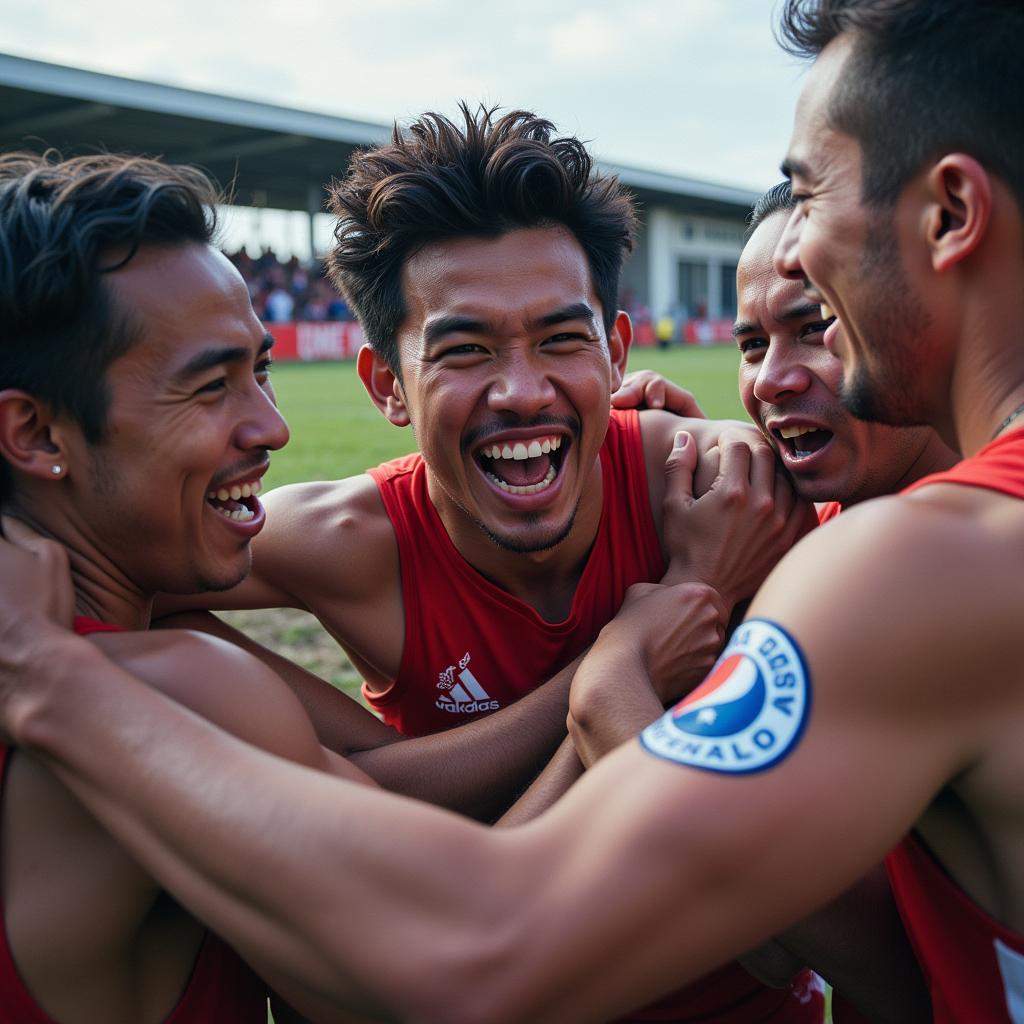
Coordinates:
<point>780,374</point>
<point>263,426</point>
<point>521,385</point>
<point>786,258</point>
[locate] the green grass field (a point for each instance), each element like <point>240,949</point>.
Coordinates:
<point>336,430</point>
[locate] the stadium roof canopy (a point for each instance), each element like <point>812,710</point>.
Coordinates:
<point>269,155</point>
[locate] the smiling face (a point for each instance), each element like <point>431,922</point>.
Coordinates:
<point>849,256</point>
<point>168,496</point>
<point>506,378</point>
<point>790,385</point>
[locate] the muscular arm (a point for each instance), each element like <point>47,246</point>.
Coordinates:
<point>605,900</point>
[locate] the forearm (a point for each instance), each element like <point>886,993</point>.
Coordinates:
<point>558,775</point>
<point>342,724</point>
<point>609,706</point>
<point>478,768</point>
<point>193,804</point>
<point>858,944</point>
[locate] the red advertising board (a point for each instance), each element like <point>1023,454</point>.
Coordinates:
<point>706,332</point>
<point>313,340</point>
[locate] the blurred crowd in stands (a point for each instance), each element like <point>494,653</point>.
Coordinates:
<point>283,292</point>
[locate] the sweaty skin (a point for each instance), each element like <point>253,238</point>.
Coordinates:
<point>521,339</point>
<point>608,897</point>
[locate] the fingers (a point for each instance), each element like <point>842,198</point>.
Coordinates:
<point>679,467</point>
<point>645,389</point>
<point>630,394</point>
<point>20,533</point>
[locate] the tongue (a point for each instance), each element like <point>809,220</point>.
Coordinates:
<point>230,505</point>
<point>521,472</point>
<point>812,441</point>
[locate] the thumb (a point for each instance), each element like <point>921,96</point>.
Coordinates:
<point>679,466</point>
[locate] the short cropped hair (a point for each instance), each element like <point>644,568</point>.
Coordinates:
<point>924,78</point>
<point>63,225</point>
<point>778,199</point>
<point>437,181</point>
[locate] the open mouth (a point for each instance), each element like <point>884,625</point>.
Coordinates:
<point>801,442</point>
<point>523,467</point>
<point>238,502</point>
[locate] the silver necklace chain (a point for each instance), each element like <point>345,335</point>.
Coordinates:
<point>1009,419</point>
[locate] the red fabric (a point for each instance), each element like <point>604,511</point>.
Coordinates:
<point>453,613</point>
<point>221,990</point>
<point>955,940</point>
<point>828,511</point>
<point>999,466</point>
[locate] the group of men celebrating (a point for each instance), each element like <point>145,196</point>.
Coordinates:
<point>533,587</point>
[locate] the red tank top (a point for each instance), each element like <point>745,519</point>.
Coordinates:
<point>974,964</point>
<point>221,990</point>
<point>470,647</point>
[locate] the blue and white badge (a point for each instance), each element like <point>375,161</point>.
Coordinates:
<point>748,714</point>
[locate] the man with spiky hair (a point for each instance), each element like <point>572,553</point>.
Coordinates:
<point>483,258</point>
<point>878,677</point>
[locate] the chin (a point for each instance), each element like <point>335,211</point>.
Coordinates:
<point>530,540</point>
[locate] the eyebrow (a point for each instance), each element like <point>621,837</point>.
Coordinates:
<point>454,323</point>
<point>789,167</point>
<point>212,357</point>
<point>797,313</point>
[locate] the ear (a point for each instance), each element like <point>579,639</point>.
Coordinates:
<point>960,205</point>
<point>382,386</point>
<point>31,441</point>
<point>619,340</point>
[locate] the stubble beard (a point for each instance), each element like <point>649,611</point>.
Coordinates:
<point>883,391</point>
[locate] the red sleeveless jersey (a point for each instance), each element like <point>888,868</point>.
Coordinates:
<point>973,963</point>
<point>221,990</point>
<point>471,648</point>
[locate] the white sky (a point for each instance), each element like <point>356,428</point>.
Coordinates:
<point>696,87</point>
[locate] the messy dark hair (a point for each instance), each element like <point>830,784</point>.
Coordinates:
<point>778,199</point>
<point>63,225</point>
<point>924,78</point>
<point>436,181</point>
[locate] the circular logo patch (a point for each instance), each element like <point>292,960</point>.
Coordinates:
<point>750,711</point>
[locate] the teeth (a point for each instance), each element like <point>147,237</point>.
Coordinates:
<point>236,492</point>
<point>826,311</point>
<point>520,451</point>
<point>239,515</point>
<point>788,432</point>
<point>529,488</point>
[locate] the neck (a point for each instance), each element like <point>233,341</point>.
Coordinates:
<point>102,591</point>
<point>546,580</point>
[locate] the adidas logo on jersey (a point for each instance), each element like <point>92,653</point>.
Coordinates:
<point>465,696</point>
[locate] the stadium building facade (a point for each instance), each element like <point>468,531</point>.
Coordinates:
<point>271,157</point>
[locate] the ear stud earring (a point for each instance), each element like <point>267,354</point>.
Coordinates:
<point>56,470</point>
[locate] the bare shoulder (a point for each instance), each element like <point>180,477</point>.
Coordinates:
<point>327,534</point>
<point>919,588</point>
<point>221,683</point>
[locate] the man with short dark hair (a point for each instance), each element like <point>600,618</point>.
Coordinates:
<point>133,391</point>
<point>892,701</point>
